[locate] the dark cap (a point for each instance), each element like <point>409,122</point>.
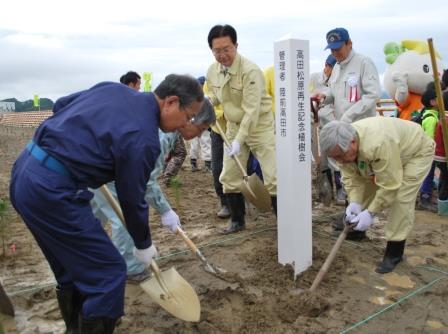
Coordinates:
<point>201,80</point>
<point>336,38</point>
<point>331,60</point>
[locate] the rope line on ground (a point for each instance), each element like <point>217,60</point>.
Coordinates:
<point>402,299</point>
<point>32,289</point>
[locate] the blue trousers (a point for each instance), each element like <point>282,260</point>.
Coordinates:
<point>428,183</point>
<point>120,236</point>
<point>79,251</point>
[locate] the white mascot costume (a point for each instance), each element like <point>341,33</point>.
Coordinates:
<point>409,73</point>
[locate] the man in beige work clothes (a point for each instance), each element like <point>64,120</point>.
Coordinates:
<point>238,85</point>
<point>383,162</point>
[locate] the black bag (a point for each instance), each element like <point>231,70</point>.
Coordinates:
<point>419,118</point>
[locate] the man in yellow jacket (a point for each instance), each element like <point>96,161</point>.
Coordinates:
<point>383,162</point>
<point>238,85</point>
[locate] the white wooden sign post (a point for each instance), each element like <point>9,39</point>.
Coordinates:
<point>293,141</point>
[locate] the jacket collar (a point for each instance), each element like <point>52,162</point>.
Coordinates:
<point>347,60</point>
<point>234,68</point>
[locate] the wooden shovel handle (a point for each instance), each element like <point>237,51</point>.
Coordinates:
<point>187,240</point>
<point>113,203</point>
<point>154,267</point>
<point>226,140</point>
<point>322,272</point>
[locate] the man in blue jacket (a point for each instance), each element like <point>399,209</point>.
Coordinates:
<point>108,132</point>
<point>136,270</point>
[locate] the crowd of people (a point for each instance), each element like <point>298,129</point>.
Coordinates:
<point>115,135</point>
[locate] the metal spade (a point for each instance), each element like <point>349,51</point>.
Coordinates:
<point>167,288</point>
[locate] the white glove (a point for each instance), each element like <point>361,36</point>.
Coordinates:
<point>234,149</point>
<point>352,210</point>
<point>363,221</point>
<point>146,255</point>
<point>171,221</point>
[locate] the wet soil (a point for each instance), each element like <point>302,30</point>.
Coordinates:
<point>256,294</point>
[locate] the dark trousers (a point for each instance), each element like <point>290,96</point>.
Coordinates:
<point>443,180</point>
<point>253,166</point>
<point>428,182</point>
<point>217,157</point>
<point>79,251</point>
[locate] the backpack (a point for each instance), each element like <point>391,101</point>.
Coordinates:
<point>419,117</point>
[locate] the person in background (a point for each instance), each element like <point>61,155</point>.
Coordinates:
<point>440,158</point>
<point>238,85</point>
<point>430,118</point>
<point>174,160</point>
<point>217,149</point>
<point>201,145</point>
<point>383,162</point>
<point>132,80</point>
<point>106,133</point>
<point>270,85</point>
<point>319,81</point>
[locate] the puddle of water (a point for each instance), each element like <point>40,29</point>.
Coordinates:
<point>358,279</point>
<point>380,301</point>
<point>401,281</point>
<point>435,324</point>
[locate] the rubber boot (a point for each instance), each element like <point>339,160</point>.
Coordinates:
<point>274,204</point>
<point>207,166</point>
<point>224,212</point>
<point>70,304</point>
<point>237,212</point>
<point>442,207</point>
<point>96,325</point>
<point>194,165</point>
<point>392,256</point>
<point>325,190</point>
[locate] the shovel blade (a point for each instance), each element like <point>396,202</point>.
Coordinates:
<point>179,298</point>
<point>255,192</point>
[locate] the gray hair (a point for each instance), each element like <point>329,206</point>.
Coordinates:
<point>206,114</point>
<point>185,87</point>
<point>336,133</point>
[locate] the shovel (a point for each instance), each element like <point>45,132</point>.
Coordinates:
<point>167,288</point>
<point>329,260</point>
<point>6,306</point>
<point>252,188</point>
<point>208,266</point>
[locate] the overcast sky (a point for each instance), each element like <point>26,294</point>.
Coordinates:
<point>53,48</point>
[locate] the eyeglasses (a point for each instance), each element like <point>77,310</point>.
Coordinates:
<point>190,115</point>
<point>225,50</point>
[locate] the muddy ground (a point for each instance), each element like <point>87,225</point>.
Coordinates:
<point>258,295</point>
